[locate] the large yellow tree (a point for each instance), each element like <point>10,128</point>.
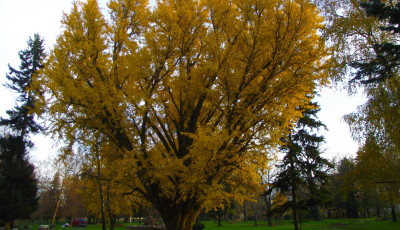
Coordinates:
<point>187,93</point>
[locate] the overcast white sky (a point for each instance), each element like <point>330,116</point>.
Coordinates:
<point>20,19</point>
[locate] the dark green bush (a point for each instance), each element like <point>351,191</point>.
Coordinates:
<point>198,226</point>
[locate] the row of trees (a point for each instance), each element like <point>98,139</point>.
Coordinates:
<point>183,105</point>
<point>347,195</point>
<point>371,29</point>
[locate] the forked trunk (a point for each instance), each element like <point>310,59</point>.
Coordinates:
<point>181,216</point>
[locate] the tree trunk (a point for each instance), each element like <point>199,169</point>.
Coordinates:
<point>56,210</point>
<point>179,216</point>
<point>393,211</point>
<point>244,211</point>
<point>294,201</point>
<point>219,217</point>
<point>11,221</point>
<point>268,201</point>
<point>295,219</point>
<point>198,219</point>
<point>103,216</point>
<point>269,214</point>
<point>110,215</point>
<point>255,214</point>
<point>269,218</point>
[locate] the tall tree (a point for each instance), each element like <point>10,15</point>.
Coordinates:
<point>18,184</point>
<point>303,170</point>
<point>185,94</point>
<point>20,119</point>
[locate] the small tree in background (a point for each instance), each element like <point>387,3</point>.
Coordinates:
<point>344,188</point>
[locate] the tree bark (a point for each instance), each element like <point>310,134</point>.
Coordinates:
<point>103,217</point>
<point>393,211</point>
<point>244,211</point>
<point>255,214</point>
<point>294,201</point>
<point>269,214</point>
<point>179,216</point>
<point>295,219</point>
<point>269,217</point>
<point>56,210</point>
<point>110,215</point>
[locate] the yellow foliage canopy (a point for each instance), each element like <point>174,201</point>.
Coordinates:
<point>187,93</point>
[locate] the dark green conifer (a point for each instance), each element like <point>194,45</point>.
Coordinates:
<point>18,186</point>
<point>303,171</point>
<point>20,120</point>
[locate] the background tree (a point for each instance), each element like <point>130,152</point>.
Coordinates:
<point>104,195</point>
<point>18,187</point>
<point>184,94</point>
<point>56,193</point>
<point>270,193</point>
<point>376,169</point>
<point>303,170</point>
<point>60,181</point>
<point>373,26</point>
<point>344,188</point>
<point>74,203</point>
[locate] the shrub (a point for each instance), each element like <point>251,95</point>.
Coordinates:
<point>198,226</point>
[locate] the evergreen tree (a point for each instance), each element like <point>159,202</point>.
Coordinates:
<point>18,186</point>
<point>385,64</point>
<point>20,120</point>
<point>303,172</point>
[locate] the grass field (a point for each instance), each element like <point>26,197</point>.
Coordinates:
<point>365,224</point>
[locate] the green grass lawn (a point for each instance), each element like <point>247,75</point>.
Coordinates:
<point>365,224</point>
<point>325,224</point>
